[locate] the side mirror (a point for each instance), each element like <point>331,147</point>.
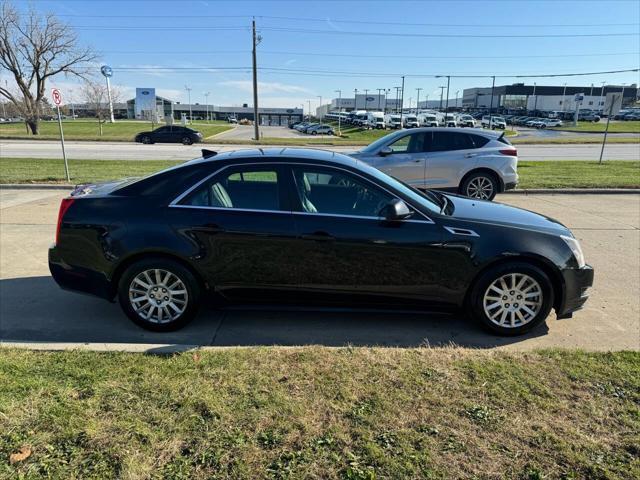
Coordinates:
<point>396,210</point>
<point>384,151</point>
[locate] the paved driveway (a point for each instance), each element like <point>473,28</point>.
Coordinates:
<point>34,309</point>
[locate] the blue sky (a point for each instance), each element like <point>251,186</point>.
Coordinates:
<point>322,35</point>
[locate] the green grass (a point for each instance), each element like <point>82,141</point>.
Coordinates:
<point>533,174</point>
<point>321,413</point>
<point>614,127</point>
<point>121,130</point>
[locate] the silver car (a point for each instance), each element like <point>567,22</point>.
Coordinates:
<point>476,164</point>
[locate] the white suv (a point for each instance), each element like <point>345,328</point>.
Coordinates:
<point>473,163</point>
<point>494,122</point>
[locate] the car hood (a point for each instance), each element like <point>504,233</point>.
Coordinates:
<point>501,214</point>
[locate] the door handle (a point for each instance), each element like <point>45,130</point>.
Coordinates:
<point>318,236</point>
<point>469,155</point>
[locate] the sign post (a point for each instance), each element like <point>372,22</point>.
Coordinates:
<point>614,99</point>
<point>57,99</point>
<point>107,72</point>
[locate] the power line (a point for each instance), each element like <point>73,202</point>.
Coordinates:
<point>443,35</point>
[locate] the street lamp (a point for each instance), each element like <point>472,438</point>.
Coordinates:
<point>188,89</point>
<point>339,110</point>
<point>206,102</point>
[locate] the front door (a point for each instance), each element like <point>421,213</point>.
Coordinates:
<point>347,253</point>
<point>242,225</point>
<point>407,160</point>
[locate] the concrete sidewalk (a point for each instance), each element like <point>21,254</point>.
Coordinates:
<point>34,312</point>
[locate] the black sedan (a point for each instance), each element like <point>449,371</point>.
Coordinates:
<point>170,134</point>
<point>310,227</point>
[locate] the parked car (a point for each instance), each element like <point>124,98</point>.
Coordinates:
<point>589,117</point>
<point>429,119</point>
<point>293,125</point>
<point>493,122</point>
<point>450,120</point>
<point>170,134</point>
<point>314,227</point>
<point>466,121</point>
<point>392,121</point>
<point>410,121</point>
<point>551,122</point>
<point>306,128</point>
<point>320,130</point>
<point>476,164</point>
<point>232,120</point>
<point>301,125</point>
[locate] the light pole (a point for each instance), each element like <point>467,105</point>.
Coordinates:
<point>622,96</point>
<point>397,97</point>
<point>457,93</point>
<point>564,90</point>
<point>441,96</point>
<point>418,100</point>
<point>591,92</point>
<point>366,94</point>
<point>386,94</point>
<point>602,95</point>
<point>355,99</point>
<point>339,111</point>
<point>206,102</point>
<point>379,95</point>
<point>107,72</point>
<point>320,107</point>
<point>188,89</point>
<point>402,101</point>
<point>535,100</point>
<point>309,104</point>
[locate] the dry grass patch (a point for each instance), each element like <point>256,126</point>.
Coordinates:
<point>353,413</point>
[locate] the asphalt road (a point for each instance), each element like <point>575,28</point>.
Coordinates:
<point>135,151</point>
<point>35,311</point>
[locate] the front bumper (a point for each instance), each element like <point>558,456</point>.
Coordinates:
<point>577,282</point>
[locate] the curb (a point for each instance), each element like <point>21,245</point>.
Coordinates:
<point>532,191</point>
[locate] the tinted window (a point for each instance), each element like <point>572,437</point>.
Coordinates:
<point>445,141</point>
<point>478,140</point>
<point>240,187</point>
<point>409,144</point>
<point>162,129</point>
<point>335,192</point>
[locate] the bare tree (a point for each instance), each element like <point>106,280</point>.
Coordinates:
<point>34,47</point>
<point>96,96</point>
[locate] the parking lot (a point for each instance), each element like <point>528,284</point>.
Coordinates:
<point>34,309</point>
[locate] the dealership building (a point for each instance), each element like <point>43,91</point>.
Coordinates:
<point>544,98</point>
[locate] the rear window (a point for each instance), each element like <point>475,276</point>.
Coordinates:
<point>168,183</point>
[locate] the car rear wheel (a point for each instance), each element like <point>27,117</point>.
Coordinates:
<point>481,185</point>
<point>314,132</point>
<point>159,295</point>
<point>187,141</point>
<point>512,299</point>
<point>146,140</point>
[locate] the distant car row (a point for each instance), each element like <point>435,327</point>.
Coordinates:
<point>312,128</point>
<point>427,118</point>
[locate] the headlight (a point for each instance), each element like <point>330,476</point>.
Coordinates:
<point>574,245</point>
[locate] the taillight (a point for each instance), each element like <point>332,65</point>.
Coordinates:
<point>64,206</point>
<point>509,151</point>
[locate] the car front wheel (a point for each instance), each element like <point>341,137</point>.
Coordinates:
<point>146,140</point>
<point>480,185</point>
<point>512,298</point>
<point>159,295</point>
<point>187,141</point>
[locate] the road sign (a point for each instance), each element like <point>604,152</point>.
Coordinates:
<point>57,96</point>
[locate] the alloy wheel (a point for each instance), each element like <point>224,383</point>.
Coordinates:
<point>158,296</point>
<point>480,187</point>
<point>513,300</point>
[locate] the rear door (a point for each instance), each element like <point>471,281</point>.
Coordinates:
<point>407,161</point>
<point>241,225</point>
<point>450,155</point>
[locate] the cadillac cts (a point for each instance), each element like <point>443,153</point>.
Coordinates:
<point>310,227</point>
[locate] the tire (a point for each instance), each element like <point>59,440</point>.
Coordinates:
<point>480,185</point>
<point>166,318</point>
<point>146,140</point>
<point>483,299</point>
<point>314,132</point>
<point>187,141</point>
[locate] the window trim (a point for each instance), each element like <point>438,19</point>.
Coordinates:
<point>176,202</point>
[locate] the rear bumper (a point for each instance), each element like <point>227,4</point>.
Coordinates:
<point>78,279</point>
<point>577,282</point>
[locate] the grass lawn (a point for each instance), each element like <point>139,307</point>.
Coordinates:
<point>122,130</point>
<point>614,127</point>
<point>320,413</point>
<point>533,174</point>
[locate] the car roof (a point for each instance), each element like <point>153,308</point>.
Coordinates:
<point>313,154</point>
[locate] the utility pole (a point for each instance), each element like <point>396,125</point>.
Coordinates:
<point>418,100</point>
<point>386,94</point>
<point>446,108</point>
<point>339,111</point>
<point>256,120</point>
<point>379,95</point>
<point>188,89</point>
<point>206,101</point>
<point>401,101</point>
<point>606,130</point>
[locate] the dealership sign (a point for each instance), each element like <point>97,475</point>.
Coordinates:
<point>145,102</point>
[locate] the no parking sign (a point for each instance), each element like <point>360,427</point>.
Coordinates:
<point>57,99</point>
<point>56,96</point>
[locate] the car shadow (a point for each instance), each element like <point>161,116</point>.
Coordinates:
<point>35,309</point>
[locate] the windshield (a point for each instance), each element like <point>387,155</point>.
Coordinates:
<point>427,200</point>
